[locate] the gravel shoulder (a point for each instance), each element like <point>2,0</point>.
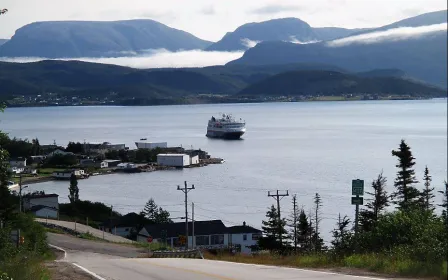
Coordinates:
<point>60,270</point>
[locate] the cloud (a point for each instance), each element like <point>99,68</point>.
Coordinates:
<point>394,34</point>
<point>153,59</point>
<point>248,43</point>
<point>275,9</point>
<point>294,40</point>
<point>210,10</point>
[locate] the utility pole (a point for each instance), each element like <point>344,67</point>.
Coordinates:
<point>185,190</point>
<point>20,193</point>
<point>279,197</point>
<point>193,243</point>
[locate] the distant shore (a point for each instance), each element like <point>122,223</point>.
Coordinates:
<point>233,101</point>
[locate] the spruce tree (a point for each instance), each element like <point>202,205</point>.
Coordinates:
<point>304,232</point>
<point>342,237</point>
<point>445,203</point>
<point>406,195</point>
<point>73,189</point>
<point>318,242</point>
<point>294,222</point>
<point>151,210</point>
<point>271,231</point>
<point>427,194</point>
<point>379,201</point>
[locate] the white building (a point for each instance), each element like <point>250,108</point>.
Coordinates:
<point>244,237</point>
<point>45,205</point>
<point>151,145</point>
<point>16,170</point>
<point>194,160</point>
<point>17,162</point>
<point>173,160</point>
<point>79,173</point>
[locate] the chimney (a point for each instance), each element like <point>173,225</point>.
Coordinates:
<point>244,223</point>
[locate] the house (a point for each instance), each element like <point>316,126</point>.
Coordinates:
<point>92,163</point>
<point>65,175</point>
<point>16,170</point>
<point>202,154</point>
<point>208,234</point>
<point>38,158</point>
<point>42,205</point>
<point>102,148</point>
<point>17,162</point>
<point>112,162</point>
<point>122,226</point>
<point>173,160</point>
<point>244,237</point>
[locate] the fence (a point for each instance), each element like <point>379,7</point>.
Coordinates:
<point>191,254</point>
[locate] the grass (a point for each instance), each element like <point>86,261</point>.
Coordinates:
<point>89,236</point>
<point>55,230</point>
<point>369,262</point>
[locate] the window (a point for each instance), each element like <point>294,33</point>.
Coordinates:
<point>245,237</point>
<point>256,236</point>
<point>217,239</point>
<point>202,240</point>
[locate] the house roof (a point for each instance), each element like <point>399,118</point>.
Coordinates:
<point>128,220</point>
<point>40,195</point>
<point>177,229</point>
<point>40,207</point>
<point>17,159</point>
<point>243,229</point>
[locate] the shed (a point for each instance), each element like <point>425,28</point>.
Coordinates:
<point>173,160</point>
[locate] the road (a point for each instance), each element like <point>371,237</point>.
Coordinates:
<point>80,228</point>
<point>117,262</point>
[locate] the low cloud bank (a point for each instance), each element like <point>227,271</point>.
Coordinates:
<point>394,34</point>
<point>151,59</point>
<point>248,43</point>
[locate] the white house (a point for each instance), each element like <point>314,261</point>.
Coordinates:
<point>194,160</point>
<point>244,237</point>
<point>16,170</point>
<point>173,160</point>
<point>122,226</point>
<point>93,163</point>
<point>65,175</point>
<point>42,205</point>
<point>207,234</point>
<point>17,162</point>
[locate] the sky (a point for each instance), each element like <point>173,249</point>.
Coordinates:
<point>211,19</point>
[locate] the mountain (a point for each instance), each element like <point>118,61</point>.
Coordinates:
<point>423,57</point>
<point>420,20</point>
<point>310,83</point>
<point>286,29</point>
<point>72,39</point>
<point>2,41</point>
<point>331,33</point>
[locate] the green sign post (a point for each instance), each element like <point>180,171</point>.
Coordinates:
<point>356,200</point>
<point>358,187</point>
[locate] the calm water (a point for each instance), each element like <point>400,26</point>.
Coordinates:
<point>301,147</point>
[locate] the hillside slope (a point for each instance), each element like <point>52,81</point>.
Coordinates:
<point>72,39</point>
<point>310,83</point>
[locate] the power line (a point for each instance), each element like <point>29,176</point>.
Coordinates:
<point>185,190</point>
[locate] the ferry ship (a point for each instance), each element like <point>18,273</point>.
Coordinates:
<point>225,127</point>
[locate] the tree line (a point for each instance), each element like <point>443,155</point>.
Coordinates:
<point>412,230</point>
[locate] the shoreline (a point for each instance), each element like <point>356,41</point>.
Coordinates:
<point>324,99</point>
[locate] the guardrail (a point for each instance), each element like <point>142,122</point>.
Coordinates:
<point>190,254</point>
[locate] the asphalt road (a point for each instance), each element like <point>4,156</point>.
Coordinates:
<point>115,262</point>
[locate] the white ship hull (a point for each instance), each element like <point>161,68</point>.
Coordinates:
<point>225,128</point>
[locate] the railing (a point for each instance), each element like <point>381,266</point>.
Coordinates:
<point>190,254</point>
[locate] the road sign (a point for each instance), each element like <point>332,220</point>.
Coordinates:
<point>358,187</point>
<point>182,239</point>
<point>149,239</point>
<point>357,200</point>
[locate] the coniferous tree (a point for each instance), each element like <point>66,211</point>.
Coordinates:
<point>445,203</point>
<point>406,195</point>
<point>294,222</point>
<point>342,236</point>
<point>427,194</point>
<point>271,231</point>
<point>318,242</point>
<point>155,214</point>
<point>73,189</point>
<point>379,201</point>
<point>305,232</point>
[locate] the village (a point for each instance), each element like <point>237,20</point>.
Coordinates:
<point>91,159</point>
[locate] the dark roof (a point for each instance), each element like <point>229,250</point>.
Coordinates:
<point>243,229</point>
<point>128,220</point>
<point>39,207</point>
<point>40,195</point>
<point>176,229</point>
<point>17,159</point>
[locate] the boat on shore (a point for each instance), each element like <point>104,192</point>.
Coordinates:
<point>226,127</point>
